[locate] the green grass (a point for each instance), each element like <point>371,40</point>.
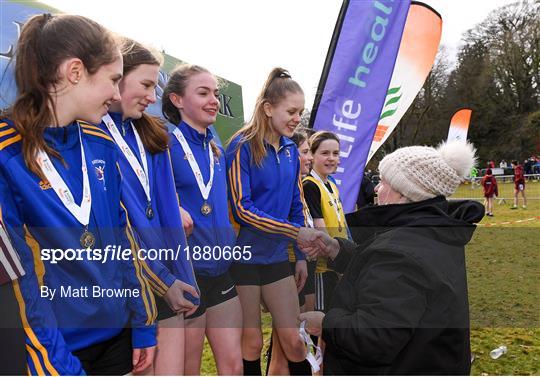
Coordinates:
<point>506,190</point>
<point>502,268</point>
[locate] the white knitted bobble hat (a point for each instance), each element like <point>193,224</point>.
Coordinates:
<point>421,173</point>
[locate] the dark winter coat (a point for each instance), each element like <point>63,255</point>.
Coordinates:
<point>402,305</point>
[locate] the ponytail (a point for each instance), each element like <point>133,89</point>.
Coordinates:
<point>278,84</point>
<point>45,42</point>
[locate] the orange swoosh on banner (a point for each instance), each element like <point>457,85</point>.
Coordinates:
<point>420,39</point>
<point>461,119</point>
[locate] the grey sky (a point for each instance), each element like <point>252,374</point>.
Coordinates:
<point>243,40</point>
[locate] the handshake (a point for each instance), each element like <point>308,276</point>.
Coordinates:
<point>316,243</point>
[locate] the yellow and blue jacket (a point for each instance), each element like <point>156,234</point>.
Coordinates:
<point>164,231</point>
<point>37,220</point>
<point>266,201</point>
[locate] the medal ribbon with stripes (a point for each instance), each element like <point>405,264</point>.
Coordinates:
<point>140,171</point>
<point>204,189</point>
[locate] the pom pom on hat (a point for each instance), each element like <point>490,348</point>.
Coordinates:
<point>421,173</point>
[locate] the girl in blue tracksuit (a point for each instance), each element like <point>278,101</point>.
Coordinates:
<point>266,199</point>
<point>60,195</point>
<point>149,196</point>
<point>190,103</point>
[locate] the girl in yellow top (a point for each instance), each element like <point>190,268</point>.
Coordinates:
<point>322,199</point>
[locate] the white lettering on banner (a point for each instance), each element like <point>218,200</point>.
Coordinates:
<point>346,138</point>
<point>345,154</point>
<point>344,120</point>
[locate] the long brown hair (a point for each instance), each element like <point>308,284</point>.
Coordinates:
<point>45,42</point>
<point>317,138</point>
<point>278,84</point>
<point>177,84</point>
<point>152,130</point>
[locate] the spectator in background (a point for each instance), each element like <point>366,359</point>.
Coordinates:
<point>536,165</point>
<point>491,164</point>
<point>366,195</point>
<point>474,176</point>
<point>529,163</point>
<point>503,164</point>
<point>489,184</point>
<point>519,184</point>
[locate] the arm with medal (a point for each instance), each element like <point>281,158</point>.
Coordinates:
<point>163,282</point>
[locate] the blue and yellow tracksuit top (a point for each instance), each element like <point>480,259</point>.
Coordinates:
<point>38,220</point>
<point>266,201</point>
<point>214,229</point>
<point>164,230</point>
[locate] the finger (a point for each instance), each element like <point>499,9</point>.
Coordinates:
<point>149,357</point>
<point>140,365</point>
<point>190,312</point>
<point>190,289</point>
<point>302,282</point>
<point>136,356</point>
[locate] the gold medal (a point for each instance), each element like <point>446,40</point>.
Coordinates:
<point>87,239</point>
<point>206,209</point>
<point>149,212</point>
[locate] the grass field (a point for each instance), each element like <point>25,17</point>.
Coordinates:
<point>506,190</point>
<point>502,268</point>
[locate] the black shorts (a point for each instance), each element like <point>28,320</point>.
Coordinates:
<point>309,288</point>
<point>214,291</point>
<point>325,283</point>
<point>112,357</point>
<point>301,294</point>
<point>13,355</point>
<point>259,274</point>
<point>163,309</point>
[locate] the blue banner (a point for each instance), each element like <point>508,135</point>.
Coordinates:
<point>355,81</point>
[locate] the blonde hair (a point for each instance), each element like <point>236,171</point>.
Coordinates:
<point>278,84</point>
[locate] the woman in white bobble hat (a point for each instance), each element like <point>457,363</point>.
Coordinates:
<point>401,306</point>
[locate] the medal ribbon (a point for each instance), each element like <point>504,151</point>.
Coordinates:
<point>140,171</point>
<point>314,360</point>
<point>332,195</point>
<point>204,189</point>
<point>80,212</point>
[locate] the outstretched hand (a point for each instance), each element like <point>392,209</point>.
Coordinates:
<point>317,243</point>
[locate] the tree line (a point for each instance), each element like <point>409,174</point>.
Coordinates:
<point>497,75</point>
